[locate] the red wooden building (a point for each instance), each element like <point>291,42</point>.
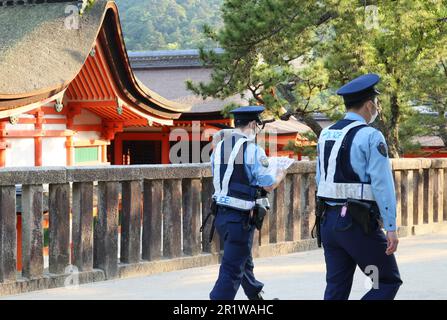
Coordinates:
<point>68,95</point>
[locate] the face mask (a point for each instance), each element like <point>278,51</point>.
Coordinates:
<point>374,116</point>
<point>252,134</point>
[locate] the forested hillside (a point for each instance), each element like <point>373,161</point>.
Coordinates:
<point>167,24</point>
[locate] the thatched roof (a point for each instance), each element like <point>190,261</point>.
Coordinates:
<point>42,51</point>
<point>38,52</point>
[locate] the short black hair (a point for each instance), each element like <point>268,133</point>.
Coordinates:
<point>240,123</point>
<point>359,105</point>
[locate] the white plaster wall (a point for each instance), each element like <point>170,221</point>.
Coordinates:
<point>54,116</point>
<point>86,135</point>
<point>20,153</point>
<point>54,152</point>
<point>61,126</point>
<point>54,127</point>
<point>87,117</point>
<point>15,127</point>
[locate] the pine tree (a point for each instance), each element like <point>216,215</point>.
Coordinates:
<point>292,55</point>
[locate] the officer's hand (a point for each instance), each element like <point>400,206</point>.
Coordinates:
<point>393,241</point>
<point>280,175</point>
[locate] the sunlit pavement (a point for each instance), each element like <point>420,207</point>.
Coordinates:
<point>422,261</point>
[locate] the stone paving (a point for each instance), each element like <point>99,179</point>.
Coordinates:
<point>422,261</point>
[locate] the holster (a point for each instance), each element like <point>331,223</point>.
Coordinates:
<point>365,214</point>
<point>259,214</point>
<point>212,212</point>
<point>320,207</point>
<point>260,211</point>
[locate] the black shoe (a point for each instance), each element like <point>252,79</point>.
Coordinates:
<point>257,297</point>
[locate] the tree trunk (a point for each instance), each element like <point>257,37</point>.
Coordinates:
<point>393,135</point>
<point>443,127</point>
<point>312,124</point>
<point>287,93</point>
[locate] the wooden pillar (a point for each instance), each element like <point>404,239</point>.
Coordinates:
<point>277,218</point>
<point>438,201</point>
<point>165,146</point>
<point>3,145</point>
<point>191,189</point>
<point>407,198</point>
<point>264,234</point>
<point>38,140</point>
<point>83,225</point>
<point>8,234</point>
<point>32,231</point>
<point>19,242</point>
<point>294,222</point>
<point>106,229</point>
<point>312,204</point>
<point>69,141</point>
<point>131,222</point>
<point>104,153</point>
<point>38,151</point>
<point>418,207</point>
<point>70,150</point>
<point>428,195</point>
<point>305,207</point>
<point>118,153</point>
<point>398,188</point>
<point>152,219</point>
<point>172,218</point>
<point>59,236</point>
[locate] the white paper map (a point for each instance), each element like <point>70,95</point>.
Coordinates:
<point>278,163</point>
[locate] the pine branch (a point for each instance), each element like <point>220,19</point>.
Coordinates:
<point>444,66</point>
<point>323,19</point>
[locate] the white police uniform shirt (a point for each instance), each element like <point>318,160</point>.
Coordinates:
<point>254,164</point>
<point>370,163</point>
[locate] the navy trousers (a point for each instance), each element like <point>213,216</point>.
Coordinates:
<point>237,266</point>
<point>347,246</point>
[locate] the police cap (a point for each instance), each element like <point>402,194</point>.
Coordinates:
<point>249,113</point>
<point>360,89</point>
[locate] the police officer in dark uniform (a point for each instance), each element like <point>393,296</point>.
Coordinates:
<point>356,192</point>
<point>239,171</point>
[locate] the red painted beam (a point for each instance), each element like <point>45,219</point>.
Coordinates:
<point>38,151</point>
<point>94,104</point>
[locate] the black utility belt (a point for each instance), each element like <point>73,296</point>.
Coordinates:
<point>364,213</point>
<point>225,209</point>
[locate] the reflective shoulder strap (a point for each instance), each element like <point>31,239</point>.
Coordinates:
<point>335,149</point>
<point>217,163</point>
<point>321,152</point>
<point>230,166</point>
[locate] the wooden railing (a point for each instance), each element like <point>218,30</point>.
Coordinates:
<point>148,219</point>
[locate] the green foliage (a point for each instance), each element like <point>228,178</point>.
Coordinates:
<point>167,24</point>
<point>405,35</point>
<point>260,38</point>
<point>87,4</point>
<point>293,55</point>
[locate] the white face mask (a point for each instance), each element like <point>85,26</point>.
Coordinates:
<point>374,115</point>
<point>252,135</point>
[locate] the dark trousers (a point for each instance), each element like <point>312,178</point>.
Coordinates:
<point>347,246</point>
<point>237,266</point>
